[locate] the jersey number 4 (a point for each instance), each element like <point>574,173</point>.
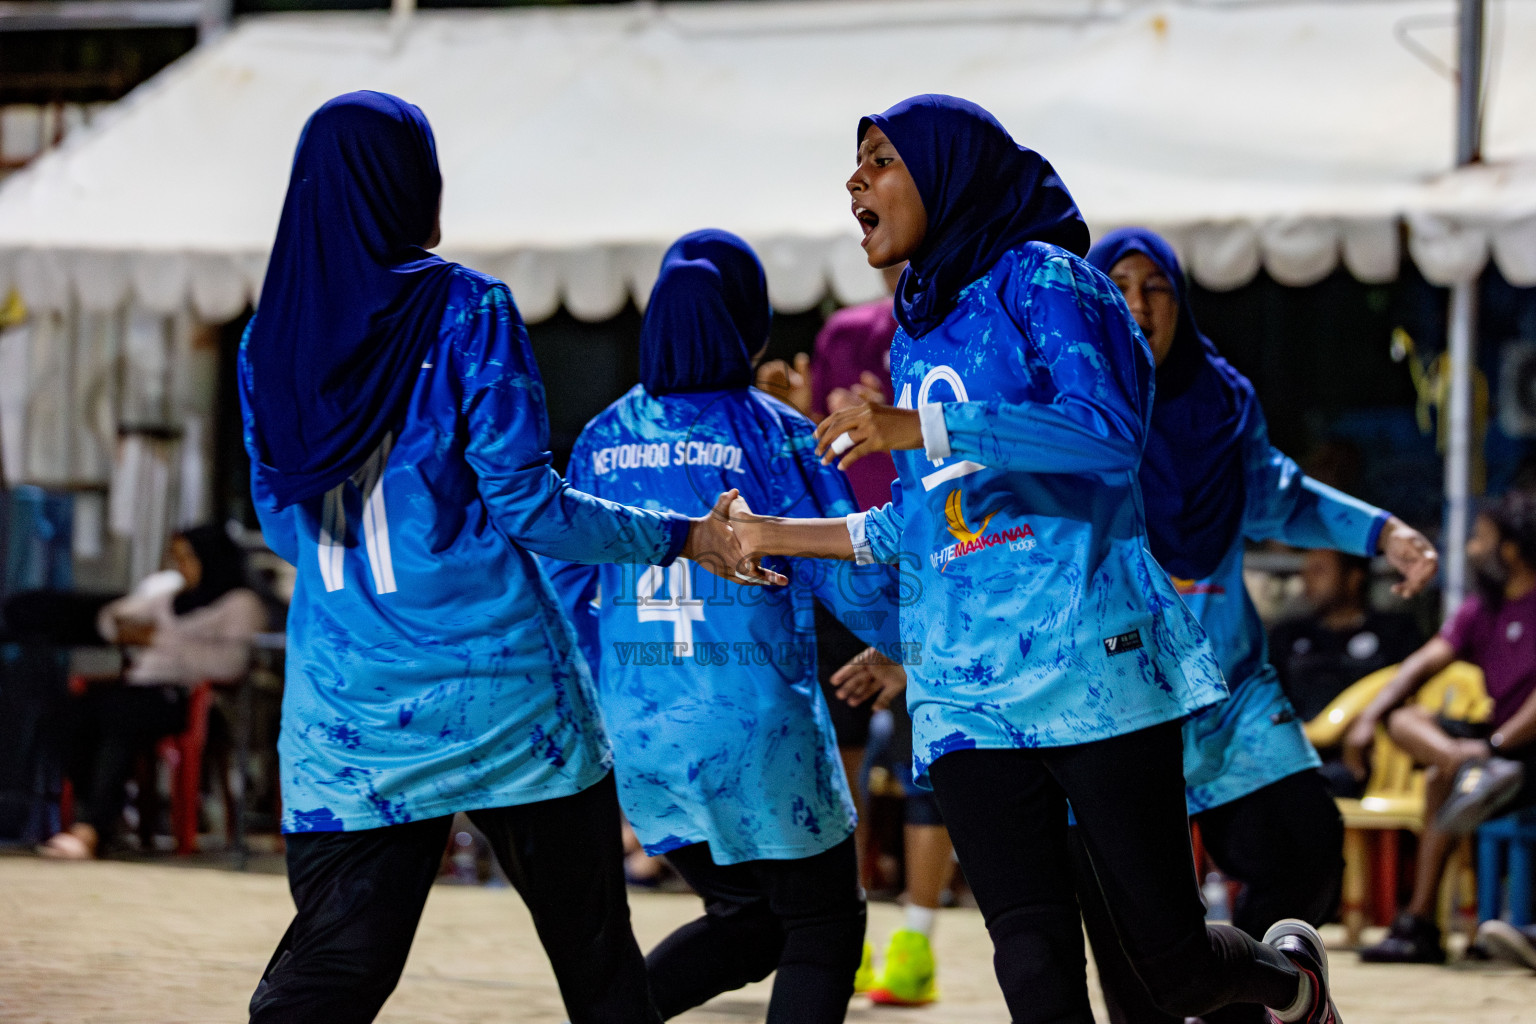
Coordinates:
<point>369,481</point>
<point>681,609</point>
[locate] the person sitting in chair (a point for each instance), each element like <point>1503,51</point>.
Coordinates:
<point>1340,639</point>
<point>198,627</point>
<point>1472,772</point>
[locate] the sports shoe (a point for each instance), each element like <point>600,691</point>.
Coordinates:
<point>1410,940</point>
<point>907,979</point>
<point>864,978</point>
<point>1506,942</point>
<point>1480,789</point>
<point>1303,947</point>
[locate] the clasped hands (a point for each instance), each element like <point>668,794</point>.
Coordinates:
<point>715,543</point>
<point>730,539</point>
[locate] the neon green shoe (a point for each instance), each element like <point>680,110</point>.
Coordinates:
<point>908,976</point>
<point>864,980</point>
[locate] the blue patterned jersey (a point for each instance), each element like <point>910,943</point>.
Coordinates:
<point>1254,738</point>
<point>429,668</point>
<point>1043,620</point>
<point>708,689</point>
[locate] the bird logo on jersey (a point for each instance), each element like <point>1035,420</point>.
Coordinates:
<point>1018,538</point>
<point>954,516</point>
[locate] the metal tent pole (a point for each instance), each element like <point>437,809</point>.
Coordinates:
<point>400,14</point>
<point>1469,84</point>
<point>1462,341</point>
<point>1458,456</point>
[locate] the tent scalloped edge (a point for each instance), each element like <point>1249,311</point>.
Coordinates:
<point>595,282</point>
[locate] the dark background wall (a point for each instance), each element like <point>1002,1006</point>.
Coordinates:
<point>1320,360</point>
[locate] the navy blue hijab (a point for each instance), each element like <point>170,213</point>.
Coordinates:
<point>707,317</point>
<point>352,302</point>
<point>984,194</point>
<point>1192,473</point>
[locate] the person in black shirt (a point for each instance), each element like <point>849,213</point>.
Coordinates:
<point>1321,654</point>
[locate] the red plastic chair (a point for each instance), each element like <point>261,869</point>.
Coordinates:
<point>183,753</point>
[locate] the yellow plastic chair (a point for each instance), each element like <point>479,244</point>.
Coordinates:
<point>1394,794</point>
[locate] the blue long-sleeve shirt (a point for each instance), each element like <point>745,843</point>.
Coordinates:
<point>1042,620</point>
<point>708,690</point>
<point>429,668</point>
<point>1254,738</point>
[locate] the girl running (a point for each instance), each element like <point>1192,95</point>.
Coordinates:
<point>1056,658</point>
<point>395,423</point>
<point>723,746</point>
<point>1211,480</point>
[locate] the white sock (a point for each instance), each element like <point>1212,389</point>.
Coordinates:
<point>921,919</point>
<point>1303,1002</point>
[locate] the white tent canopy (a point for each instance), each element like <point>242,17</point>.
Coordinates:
<point>577,143</point>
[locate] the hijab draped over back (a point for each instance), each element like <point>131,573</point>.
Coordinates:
<point>708,315</point>
<point>351,301</point>
<point>1192,472</point>
<point>984,195</point>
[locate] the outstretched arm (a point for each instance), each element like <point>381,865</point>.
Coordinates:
<point>508,430</point>
<point>791,538</point>
<point>1285,504</point>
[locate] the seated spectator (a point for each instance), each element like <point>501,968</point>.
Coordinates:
<point>1472,773</point>
<point>182,629</point>
<point>1339,641</point>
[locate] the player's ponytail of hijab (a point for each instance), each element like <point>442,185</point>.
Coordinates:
<point>984,194</point>
<point>352,302</point>
<point>1192,472</point>
<point>708,315</point>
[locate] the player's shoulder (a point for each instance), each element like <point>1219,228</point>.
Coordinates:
<point>477,284</point>
<point>777,413</point>
<point>472,296</point>
<point>475,294</point>
<point>1042,265</point>
<point>620,416</point>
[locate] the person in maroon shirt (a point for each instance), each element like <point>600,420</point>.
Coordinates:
<point>1471,773</point>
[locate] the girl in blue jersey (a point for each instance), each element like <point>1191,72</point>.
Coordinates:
<point>723,746</point>
<point>395,423</point>
<point>1054,661</point>
<point>1211,480</point>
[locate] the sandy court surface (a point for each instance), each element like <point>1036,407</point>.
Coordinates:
<point>121,943</point>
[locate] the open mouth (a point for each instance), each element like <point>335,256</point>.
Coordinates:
<point>868,220</point>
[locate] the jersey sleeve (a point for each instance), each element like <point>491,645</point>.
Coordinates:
<point>1095,423</point>
<point>876,534</point>
<point>576,584</point>
<point>1285,504</point>
<point>508,435</point>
